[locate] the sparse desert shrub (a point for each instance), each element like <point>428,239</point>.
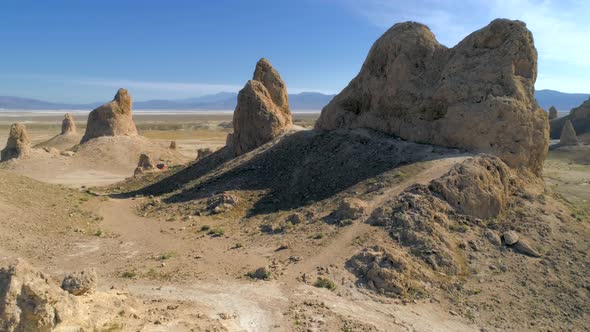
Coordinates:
<point>205,228</point>
<point>318,236</point>
<point>129,274</point>
<point>261,273</point>
<point>215,232</point>
<point>324,283</point>
<point>166,255</point>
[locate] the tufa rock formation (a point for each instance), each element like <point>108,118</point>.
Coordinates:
<point>579,117</point>
<point>263,110</point>
<point>420,217</point>
<point>111,119</point>
<point>68,126</point>
<point>568,134</point>
<point>31,301</point>
<point>477,95</point>
<point>145,164</point>
<point>18,144</point>
<point>552,113</point>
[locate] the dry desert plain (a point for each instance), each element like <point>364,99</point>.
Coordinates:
<point>172,264</point>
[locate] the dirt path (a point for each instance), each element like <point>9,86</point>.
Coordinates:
<point>251,306</point>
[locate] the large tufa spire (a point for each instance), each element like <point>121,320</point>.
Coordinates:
<point>68,126</point>
<point>112,119</point>
<point>263,110</point>
<point>18,144</point>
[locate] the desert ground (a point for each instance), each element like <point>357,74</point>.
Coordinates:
<point>178,265</point>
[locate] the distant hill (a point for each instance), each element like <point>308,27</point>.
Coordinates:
<point>219,101</point>
<point>564,102</point>
<point>227,101</point>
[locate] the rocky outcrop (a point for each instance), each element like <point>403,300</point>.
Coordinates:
<point>477,95</point>
<point>68,126</point>
<point>579,118</point>
<point>31,301</point>
<point>263,110</point>
<point>111,119</point>
<point>18,144</point>
<point>552,113</point>
<point>145,164</point>
<point>80,283</point>
<point>568,135</point>
<point>422,216</point>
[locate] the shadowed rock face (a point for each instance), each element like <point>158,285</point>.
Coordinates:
<point>568,134</point>
<point>477,95</point>
<point>111,119</point>
<point>263,110</point>
<point>68,126</point>
<point>579,117</point>
<point>18,144</point>
<point>552,113</point>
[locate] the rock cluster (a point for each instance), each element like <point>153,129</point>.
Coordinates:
<point>383,272</point>
<point>568,135</point>
<point>477,95</point>
<point>552,113</point>
<point>80,283</point>
<point>421,216</point>
<point>68,126</point>
<point>221,202</point>
<point>18,144</point>
<point>111,119</point>
<point>263,110</point>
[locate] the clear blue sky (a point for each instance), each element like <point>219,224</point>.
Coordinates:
<point>81,51</point>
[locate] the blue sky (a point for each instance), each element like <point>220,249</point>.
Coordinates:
<point>82,51</point>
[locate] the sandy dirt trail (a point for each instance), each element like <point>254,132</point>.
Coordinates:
<point>260,306</point>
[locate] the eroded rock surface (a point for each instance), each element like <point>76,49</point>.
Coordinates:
<point>552,113</point>
<point>579,117</point>
<point>477,95</point>
<point>112,119</point>
<point>568,135</point>
<point>18,144</point>
<point>68,126</point>
<point>263,110</point>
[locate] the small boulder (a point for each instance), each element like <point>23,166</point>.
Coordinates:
<point>510,237</point>
<point>146,162</point>
<point>568,135</point>
<point>172,145</point>
<point>523,247</point>
<point>80,283</point>
<point>68,153</point>
<point>18,145</point>
<point>493,237</point>
<point>68,126</point>
<point>351,208</point>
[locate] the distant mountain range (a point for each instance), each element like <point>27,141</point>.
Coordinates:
<point>564,102</point>
<point>227,101</point>
<point>219,101</point>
